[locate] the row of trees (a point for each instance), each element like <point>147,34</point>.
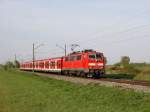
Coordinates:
<point>126,67</point>
<point>10,64</point>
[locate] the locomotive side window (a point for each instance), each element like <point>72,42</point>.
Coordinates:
<point>72,58</point>
<point>78,57</point>
<point>66,59</point>
<point>92,56</point>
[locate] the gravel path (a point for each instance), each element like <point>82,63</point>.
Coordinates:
<point>86,81</point>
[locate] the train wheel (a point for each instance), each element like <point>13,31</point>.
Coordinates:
<point>96,76</point>
<point>65,72</point>
<point>78,74</point>
<point>90,75</point>
<point>69,73</point>
<point>83,74</point>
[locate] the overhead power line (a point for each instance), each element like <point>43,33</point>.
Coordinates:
<point>115,33</point>
<point>128,39</point>
<point>140,13</point>
<point>122,40</point>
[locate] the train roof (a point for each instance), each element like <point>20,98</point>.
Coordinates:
<point>73,53</point>
<point>42,60</point>
<point>84,51</point>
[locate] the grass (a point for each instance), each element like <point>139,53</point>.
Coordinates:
<point>23,92</point>
<point>142,76</point>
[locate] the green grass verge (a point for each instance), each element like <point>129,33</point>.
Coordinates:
<point>142,77</point>
<point>23,92</point>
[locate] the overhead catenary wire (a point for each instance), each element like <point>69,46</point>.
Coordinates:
<point>115,33</point>
<point>90,39</point>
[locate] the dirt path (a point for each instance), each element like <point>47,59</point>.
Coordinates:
<point>107,83</point>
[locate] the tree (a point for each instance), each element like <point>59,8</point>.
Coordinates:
<point>8,65</point>
<point>1,66</point>
<point>16,64</point>
<point>125,60</point>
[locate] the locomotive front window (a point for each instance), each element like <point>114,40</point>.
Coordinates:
<point>92,56</point>
<point>98,56</point>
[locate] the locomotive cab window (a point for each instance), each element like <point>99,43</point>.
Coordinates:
<point>79,57</point>
<point>92,56</point>
<point>66,59</point>
<point>72,58</point>
<point>99,56</point>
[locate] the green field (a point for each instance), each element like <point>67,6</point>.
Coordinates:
<point>24,92</point>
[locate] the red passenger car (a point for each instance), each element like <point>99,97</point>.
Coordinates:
<point>47,65</point>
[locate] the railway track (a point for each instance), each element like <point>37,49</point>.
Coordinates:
<point>143,86</point>
<point>133,82</point>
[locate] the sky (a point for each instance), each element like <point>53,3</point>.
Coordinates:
<point>115,27</point>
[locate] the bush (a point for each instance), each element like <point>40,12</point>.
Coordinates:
<point>144,74</point>
<point>146,71</point>
<point>129,69</point>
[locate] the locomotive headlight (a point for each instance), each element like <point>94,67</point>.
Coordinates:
<point>100,64</point>
<point>91,64</point>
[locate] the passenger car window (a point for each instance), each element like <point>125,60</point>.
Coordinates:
<point>52,63</point>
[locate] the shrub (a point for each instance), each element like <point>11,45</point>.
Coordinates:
<point>146,71</point>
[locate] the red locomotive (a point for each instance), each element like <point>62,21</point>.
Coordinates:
<point>87,63</point>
